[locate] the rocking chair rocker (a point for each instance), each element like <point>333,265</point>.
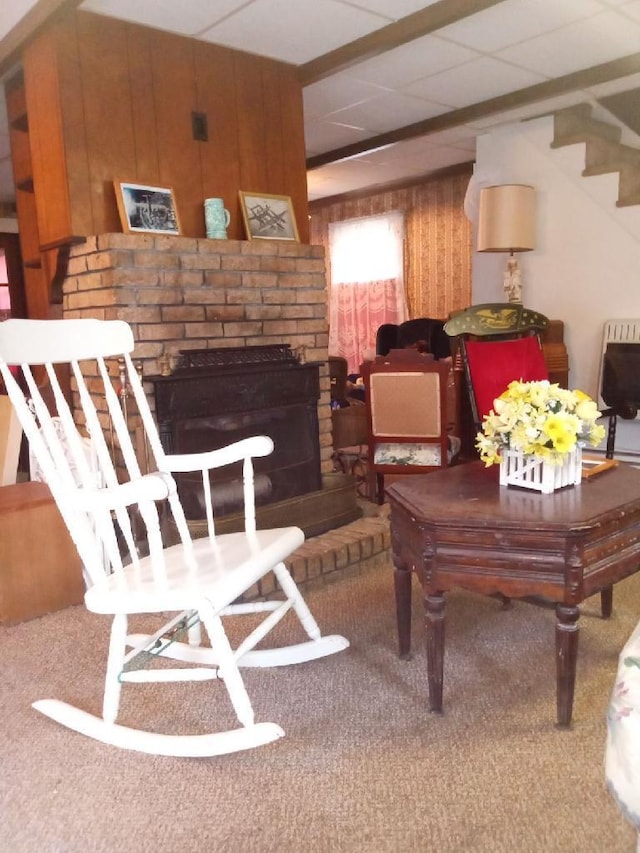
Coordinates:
<point>103,501</point>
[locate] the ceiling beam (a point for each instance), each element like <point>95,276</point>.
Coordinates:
<point>40,14</point>
<point>400,32</point>
<point>583,79</point>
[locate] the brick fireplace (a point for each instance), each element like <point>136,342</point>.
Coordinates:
<point>183,293</point>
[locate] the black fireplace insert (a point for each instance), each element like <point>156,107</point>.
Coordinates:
<point>217,396</point>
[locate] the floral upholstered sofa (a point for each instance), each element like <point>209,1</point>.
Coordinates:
<point>622,760</point>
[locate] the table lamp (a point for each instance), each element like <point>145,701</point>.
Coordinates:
<point>507,224</point>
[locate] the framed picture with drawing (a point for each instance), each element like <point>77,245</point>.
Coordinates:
<point>268,217</point>
<point>146,209</point>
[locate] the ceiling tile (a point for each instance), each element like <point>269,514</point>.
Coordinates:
<point>387,112</point>
<point>597,39</point>
<point>335,93</point>
<point>412,61</point>
<point>632,10</point>
<point>472,82</point>
<point>323,136</point>
<point>166,15</point>
<point>293,32</point>
<point>393,9</point>
<point>514,21</point>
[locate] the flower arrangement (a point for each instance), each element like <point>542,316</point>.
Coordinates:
<point>539,419</point>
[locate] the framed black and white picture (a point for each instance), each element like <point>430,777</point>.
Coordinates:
<point>268,217</point>
<point>146,209</point>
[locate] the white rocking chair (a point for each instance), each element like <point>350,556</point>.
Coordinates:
<point>198,581</point>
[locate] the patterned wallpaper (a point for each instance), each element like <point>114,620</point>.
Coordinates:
<point>438,238</point>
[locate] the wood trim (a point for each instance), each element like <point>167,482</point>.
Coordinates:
<point>583,79</point>
<point>35,19</point>
<point>400,32</point>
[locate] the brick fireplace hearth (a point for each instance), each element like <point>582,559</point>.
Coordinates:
<point>182,293</point>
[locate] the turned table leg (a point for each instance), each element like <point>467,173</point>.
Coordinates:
<point>567,632</point>
<point>402,583</point>
<point>434,611</point>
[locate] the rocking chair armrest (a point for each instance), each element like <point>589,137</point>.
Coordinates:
<point>150,487</point>
<point>257,445</point>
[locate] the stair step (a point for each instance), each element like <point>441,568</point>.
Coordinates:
<point>629,186</point>
<point>604,153</point>
<point>602,156</point>
<point>575,124</point>
<point>628,201</point>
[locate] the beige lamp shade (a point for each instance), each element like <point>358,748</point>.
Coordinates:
<point>507,221</point>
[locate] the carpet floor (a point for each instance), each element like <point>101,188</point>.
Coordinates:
<point>363,766</point>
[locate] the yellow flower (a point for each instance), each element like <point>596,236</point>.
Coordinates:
<point>558,429</point>
<point>541,419</point>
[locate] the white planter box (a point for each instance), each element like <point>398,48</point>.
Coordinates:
<point>530,472</point>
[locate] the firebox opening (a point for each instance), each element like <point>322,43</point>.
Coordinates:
<point>220,396</point>
<point>291,469</point>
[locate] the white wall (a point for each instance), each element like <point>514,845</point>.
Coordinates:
<point>586,265</point>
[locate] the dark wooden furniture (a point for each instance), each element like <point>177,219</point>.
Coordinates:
<point>406,399</point>
<point>460,529</point>
<point>427,330</point>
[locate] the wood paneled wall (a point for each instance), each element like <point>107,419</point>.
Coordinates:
<point>112,100</point>
<point>438,238</point>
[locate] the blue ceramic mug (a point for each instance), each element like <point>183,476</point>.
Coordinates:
<point>216,218</point>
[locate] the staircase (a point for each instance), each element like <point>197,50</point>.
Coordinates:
<point>604,153</point>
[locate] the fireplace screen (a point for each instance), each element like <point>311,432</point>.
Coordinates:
<point>208,406</point>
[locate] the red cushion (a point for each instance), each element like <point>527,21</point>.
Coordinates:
<point>494,364</point>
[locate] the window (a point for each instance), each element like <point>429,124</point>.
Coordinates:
<point>367,283</point>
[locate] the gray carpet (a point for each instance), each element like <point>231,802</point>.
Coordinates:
<point>363,766</point>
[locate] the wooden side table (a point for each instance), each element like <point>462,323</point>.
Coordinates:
<point>458,528</point>
<point>40,570</point>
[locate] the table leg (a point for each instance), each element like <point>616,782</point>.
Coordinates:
<point>402,583</point>
<point>606,602</point>
<point>434,611</point>
<point>567,633</point>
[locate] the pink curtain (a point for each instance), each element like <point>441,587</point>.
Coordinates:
<point>356,310</point>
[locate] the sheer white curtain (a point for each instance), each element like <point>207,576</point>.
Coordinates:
<point>367,282</point>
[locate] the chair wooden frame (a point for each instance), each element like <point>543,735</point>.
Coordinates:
<point>406,398</point>
<point>509,331</point>
<point>106,500</point>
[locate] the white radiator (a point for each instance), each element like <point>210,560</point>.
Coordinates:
<point>617,331</point>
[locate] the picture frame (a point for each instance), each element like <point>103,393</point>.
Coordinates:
<point>146,209</point>
<point>268,217</point>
